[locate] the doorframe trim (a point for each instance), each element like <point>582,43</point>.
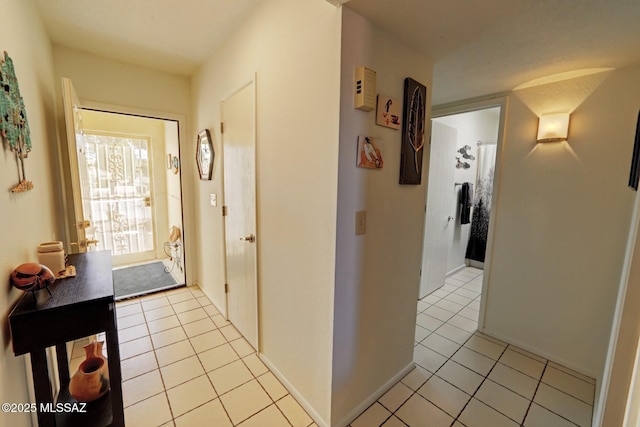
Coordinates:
<point>466,106</point>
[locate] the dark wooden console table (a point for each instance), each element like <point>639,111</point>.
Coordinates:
<point>79,306</point>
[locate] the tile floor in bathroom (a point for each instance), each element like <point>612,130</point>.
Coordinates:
<point>183,364</point>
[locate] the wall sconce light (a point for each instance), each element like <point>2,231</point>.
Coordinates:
<point>553,127</point>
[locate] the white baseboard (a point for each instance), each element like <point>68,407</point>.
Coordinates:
<point>295,393</point>
<point>456,269</point>
<point>353,413</point>
<point>550,357</point>
<point>476,264</point>
<point>375,396</point>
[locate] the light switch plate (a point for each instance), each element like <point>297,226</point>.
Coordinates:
<point>213,199</point>
<point>361,223</point>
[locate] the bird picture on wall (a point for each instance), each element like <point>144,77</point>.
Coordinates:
<point>388,112</point>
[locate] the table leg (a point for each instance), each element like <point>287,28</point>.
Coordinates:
<point>63,363</point>
<point>42,386</point>
<point>115,376</point>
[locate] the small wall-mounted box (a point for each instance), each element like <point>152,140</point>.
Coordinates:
<point>365,89</point>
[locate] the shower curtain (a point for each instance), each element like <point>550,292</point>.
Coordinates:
<point>482,203</point>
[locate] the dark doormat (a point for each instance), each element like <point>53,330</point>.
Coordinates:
<point>141,279</point>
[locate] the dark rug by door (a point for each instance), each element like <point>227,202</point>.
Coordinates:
<point>141,279</point>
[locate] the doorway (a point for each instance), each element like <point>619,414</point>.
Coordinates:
<point>135,207</point>
<point>126,186</point>
<point>464,156</point>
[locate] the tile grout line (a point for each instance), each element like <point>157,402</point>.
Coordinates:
<point>480,385</point>
<point>164,387</point>
<point>526,414</point>
<point>206,374</point>
<point>427,380</point>
<point>153,349</point>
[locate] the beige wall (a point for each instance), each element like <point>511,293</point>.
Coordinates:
<point>377,274</point>
<point>107,81</point>
<point>293,49</point>
<point>562,220</point>
<point>32,217</point>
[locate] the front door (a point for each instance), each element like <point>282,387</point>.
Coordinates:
<point>112,189</point>
<point>238,117</point>
<point>78,222</point>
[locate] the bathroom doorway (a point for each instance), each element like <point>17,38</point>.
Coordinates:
<point>465,141</point>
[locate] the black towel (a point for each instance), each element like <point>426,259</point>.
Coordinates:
<point>466,200</point>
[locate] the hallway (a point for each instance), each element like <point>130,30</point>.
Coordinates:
<point>184,365</point>
<point>465,378</point>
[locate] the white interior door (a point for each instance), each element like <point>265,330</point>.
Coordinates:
<point>441,208</point>
<point>78,222</point>
<point>238,116</point>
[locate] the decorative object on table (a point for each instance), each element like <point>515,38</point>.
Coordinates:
<point>205,155</point>
<point>634,172</point>
<point>369,155</point>
<point>413,115</point>
<point>91,380</point>
<point>31,276</point>
<point>14,126</point>
<point>51,254</point>
<point>69,271</point>
<point>388,112</point>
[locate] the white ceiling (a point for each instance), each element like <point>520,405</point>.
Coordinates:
<point>481,47</point>
<point>150,33</point>
<point>478,46</point>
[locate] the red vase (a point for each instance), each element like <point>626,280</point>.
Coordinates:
<point>91,380</point>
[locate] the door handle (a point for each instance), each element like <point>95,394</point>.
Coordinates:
<point>250,238</point>
<point>450,218</point>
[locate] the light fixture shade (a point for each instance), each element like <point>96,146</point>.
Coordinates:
<point>553,127</point>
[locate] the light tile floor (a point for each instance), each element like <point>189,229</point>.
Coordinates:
<point>465,378</point>
<point>184,365</point>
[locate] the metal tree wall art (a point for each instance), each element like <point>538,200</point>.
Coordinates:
<point>14,127</point>
<point>415,96</point>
